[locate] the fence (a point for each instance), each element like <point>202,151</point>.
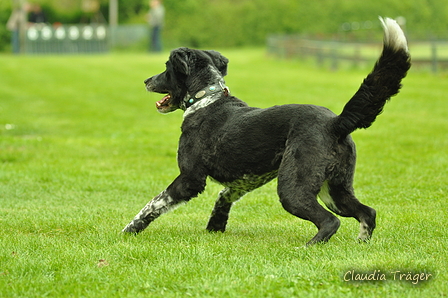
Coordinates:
<point>66,39</point>
<point>432,55</point>
<point>75,39</point>
<point>128,35</point>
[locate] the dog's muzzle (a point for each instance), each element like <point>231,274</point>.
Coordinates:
<point>165,104</point>
<point>148,84</point>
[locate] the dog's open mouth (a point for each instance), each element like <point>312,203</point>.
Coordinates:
<point>164,103</point>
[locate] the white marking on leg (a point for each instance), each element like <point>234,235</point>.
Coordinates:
<point>159,205</point>
<point>364,233</point>
<point>229,195</point>
<point>325,197</point>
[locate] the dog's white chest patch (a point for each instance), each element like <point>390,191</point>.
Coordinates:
<point>250,182</point>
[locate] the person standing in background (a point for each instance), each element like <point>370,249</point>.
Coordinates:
<point>156,18</point>
<point>16,22</point>
<point>37,16</point>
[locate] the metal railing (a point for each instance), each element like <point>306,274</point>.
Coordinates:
<point>432,55</point>
<point>46,39</point>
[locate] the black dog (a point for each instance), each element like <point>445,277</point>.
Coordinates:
<point>307,147</point>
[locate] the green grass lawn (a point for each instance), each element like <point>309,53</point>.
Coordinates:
<point>83,149</point>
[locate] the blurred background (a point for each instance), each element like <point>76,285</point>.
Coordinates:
<point>325,29</point>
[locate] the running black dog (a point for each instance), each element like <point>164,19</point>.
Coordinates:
<point>307,147</point>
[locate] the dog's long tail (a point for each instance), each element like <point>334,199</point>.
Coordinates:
<point>383,82</point>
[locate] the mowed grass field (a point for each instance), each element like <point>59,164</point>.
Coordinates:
<point>83,149</point>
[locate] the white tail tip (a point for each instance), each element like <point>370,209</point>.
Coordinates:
<point>393,35</point>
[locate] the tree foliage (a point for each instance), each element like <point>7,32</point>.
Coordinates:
<point>219,23</point>
<point>248,22</point>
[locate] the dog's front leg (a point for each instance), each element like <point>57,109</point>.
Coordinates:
<point>161,204</point>
<point>183,188</point>
<point>220,214</point>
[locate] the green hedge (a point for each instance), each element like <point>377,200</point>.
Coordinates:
<point>5,35</point>
<point>221,23</point>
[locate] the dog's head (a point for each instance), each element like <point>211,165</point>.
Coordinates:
<point>187,72</point>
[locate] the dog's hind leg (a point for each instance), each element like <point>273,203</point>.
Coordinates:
<point>344,203</point>
<point>220,213</point>
<point>299,182</point>
<point>303,203</point>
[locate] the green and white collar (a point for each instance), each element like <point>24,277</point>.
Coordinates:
<point>204,97</point>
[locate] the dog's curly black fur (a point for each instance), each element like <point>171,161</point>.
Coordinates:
<point>307,147</point>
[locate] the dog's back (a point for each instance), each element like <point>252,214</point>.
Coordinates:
<point>229,131</point>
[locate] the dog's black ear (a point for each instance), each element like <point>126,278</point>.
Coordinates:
<point>220,61</point>
<point>180,59</point>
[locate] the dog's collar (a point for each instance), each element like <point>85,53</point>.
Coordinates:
<point>218,88</point>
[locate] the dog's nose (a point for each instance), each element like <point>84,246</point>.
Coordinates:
<point>147,81</point>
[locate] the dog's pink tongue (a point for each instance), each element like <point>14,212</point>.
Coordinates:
<point>163,102</point>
